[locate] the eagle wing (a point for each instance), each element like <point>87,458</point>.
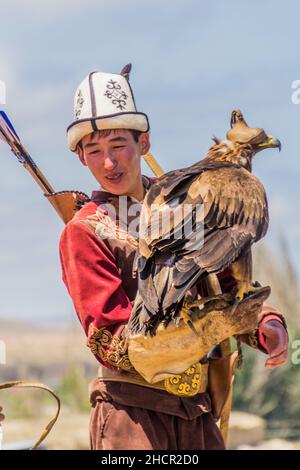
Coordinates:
<point>212,217</point>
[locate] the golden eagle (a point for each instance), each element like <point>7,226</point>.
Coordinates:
<point>200,220</point>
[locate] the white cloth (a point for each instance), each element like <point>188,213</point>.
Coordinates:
<point>104,101</point>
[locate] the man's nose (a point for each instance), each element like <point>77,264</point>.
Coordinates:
<point>109,162</point>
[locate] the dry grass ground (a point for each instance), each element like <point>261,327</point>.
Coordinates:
<point>60,359</point>
<point>69,433</point>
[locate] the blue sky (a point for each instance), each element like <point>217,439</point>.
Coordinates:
<point>193,62</point>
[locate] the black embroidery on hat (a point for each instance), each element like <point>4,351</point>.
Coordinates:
<point>116,94</point>
<point>79,104</point>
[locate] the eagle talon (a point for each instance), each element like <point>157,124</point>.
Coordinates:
<point>186,314</point>
<point>246,290</point>
<point>234,307</point>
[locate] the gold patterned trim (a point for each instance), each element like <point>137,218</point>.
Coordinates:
<point>109,348</point>
<point>191,382</point>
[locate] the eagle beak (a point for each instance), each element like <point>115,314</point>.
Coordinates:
<point>271,142</point>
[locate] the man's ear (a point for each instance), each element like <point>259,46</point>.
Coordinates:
<point>80,153</point>
<point>144,141</point>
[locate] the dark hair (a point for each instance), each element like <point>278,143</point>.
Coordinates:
<point>106,132</point>
<point>135,134</point>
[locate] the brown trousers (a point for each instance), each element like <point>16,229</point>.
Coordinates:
<point>131,417</point>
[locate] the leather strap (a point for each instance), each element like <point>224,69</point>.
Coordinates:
<point>23,384</point>
<point>189,383</point>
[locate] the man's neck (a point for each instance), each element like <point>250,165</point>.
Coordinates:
<point>139,193</point>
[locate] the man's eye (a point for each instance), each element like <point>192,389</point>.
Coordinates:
<point>95,152</point>
<point>118,146</point>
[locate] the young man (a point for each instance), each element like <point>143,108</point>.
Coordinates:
<point>97,251</point>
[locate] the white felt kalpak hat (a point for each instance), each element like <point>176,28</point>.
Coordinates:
<point>104,101</point>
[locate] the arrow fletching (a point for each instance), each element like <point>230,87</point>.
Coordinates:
<point>7,131</point>
<point>9,135</point>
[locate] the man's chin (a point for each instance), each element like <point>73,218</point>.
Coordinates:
<point>116,189</point>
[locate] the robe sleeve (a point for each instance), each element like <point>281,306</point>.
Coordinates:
<point>92,278</point>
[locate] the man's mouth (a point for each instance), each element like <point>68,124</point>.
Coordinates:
<point>115,177</point>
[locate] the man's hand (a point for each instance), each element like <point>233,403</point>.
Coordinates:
<point>1,415</point>
<point>276,340</point>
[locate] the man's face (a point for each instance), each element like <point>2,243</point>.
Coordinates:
<point>115,160</point>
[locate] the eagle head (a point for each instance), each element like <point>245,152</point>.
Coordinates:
<point>241,133</point>
<point>242,143</point>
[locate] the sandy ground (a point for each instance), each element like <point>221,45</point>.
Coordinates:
<point>45,355</point>
<point>69,433</point>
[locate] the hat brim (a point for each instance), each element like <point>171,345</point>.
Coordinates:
<point>130,120</point>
